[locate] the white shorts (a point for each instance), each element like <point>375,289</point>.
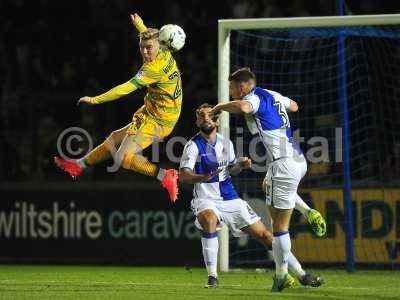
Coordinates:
<point>283,178</point>
<point>236,213</point>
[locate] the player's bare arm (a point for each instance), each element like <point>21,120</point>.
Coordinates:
<point>293,107</point>
<point>188,176</point>
<point>235,107</point>
<point>243,163</point>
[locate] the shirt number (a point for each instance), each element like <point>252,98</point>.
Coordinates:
<point>178,89</point>
<point>282,112</point>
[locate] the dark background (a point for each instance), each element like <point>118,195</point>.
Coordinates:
<point>54,52</point>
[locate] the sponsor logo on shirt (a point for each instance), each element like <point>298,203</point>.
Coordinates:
<point>139,75</point>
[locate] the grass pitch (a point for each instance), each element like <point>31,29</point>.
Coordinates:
<point>83,282</point>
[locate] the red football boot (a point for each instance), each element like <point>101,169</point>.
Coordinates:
<point>170,182</point>
<point>69,166</point>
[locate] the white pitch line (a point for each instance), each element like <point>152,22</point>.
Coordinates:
<point>114,283</point>
<point>360,288</point>
<point>163,284</point>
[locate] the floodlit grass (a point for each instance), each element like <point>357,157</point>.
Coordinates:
<point>85,282</point>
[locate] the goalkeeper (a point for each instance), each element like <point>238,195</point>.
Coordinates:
<point>155,120</point>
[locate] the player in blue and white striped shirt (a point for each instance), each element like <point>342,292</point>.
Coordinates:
<point>266,115</point>
<point>208,161</point>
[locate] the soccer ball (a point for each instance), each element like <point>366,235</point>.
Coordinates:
<point>172,36</point>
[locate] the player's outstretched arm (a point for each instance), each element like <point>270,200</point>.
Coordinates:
<point>243,163</point>
<point>235,107</point>
<point>137,21</point>
<point>293,107</point>
<point>188,176</point>
<point>111,95</point>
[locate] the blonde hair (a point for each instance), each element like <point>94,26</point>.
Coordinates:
<point>149,34</point>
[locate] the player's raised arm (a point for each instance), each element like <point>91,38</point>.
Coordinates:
<point>235,107</point>
<point>111,95</point>
<point>289,104</point>
<point>137,21</point>
<point>240,86</point>
<point>293,107</point>
<point>147,75</point>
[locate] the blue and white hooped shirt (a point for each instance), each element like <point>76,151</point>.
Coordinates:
<point>270,121</point>
<point>204,158</point>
